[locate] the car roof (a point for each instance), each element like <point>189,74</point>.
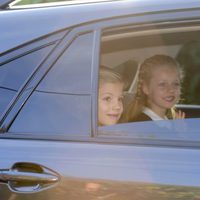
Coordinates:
<point>30,23</point>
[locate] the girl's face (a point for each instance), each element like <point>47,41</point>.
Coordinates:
<point>110,105</point>
<point>163,89</point>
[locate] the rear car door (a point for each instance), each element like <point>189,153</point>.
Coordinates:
<point>51,146</point>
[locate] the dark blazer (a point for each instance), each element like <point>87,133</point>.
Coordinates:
<point>141,117</point>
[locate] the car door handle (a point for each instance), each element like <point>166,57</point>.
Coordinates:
<point>26,177</point>
<point>6,175</point>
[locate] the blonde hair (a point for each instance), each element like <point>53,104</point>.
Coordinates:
<point>108,75</point>
<point>144,76</point>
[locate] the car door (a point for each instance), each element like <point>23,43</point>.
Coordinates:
<point>51,146</point>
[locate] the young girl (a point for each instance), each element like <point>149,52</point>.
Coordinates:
<point>158,90</point>
<point>110,106</point>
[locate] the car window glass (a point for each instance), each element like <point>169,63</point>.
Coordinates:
<point>168,130</point>
<point>14,73</point>
<point>72,72</point>
<point>61,104</point>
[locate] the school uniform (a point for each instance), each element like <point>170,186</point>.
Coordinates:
<point>152,115</point>
<point>149,115</point>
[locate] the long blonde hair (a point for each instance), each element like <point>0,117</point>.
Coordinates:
<point>144,75</point>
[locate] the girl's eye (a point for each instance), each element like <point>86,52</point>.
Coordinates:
<point>108,99</point>
<point>177,84</point>
<point>162,85</point>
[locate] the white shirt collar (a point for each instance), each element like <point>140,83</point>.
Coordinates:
<point>152,114</point>
<point>165,123</point>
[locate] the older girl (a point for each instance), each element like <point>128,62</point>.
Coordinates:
<point>158,90</point>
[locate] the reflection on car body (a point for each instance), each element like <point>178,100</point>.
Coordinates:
<point>51,145</point>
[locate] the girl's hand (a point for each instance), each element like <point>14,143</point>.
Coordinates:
<point>179,115</point>
<point>181,125</point>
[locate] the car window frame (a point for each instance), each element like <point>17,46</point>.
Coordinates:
<point>115,136</point>
<point>62,98</point>
<point>45,67</point>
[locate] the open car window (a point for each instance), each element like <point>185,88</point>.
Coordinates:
<point>125,48</point>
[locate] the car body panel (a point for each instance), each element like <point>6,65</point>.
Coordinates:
<point>60,15</point>
<point>156,170</point>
